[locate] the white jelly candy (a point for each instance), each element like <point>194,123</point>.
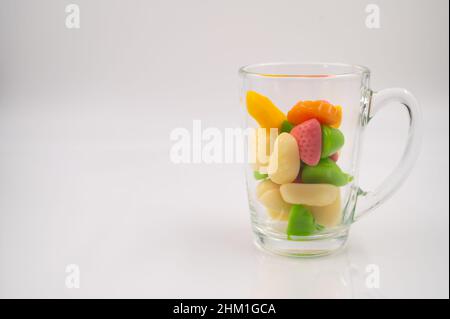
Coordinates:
<point>284,163</point>
<point>309,194</point>
<point>328,216</point>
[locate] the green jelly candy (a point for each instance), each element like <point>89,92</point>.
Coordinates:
<point>301,222</point>
<point>332,141</point>
<point>326,172</point>
<point>259,176</point>
<point>286,127</point>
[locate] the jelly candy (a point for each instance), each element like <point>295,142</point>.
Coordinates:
<point>272,200</point>
<point>259,176</point>
<point>276,215</point>
<point>265,186</point>
<point>284,163</point>
<point>264,111</point>
<point>261,142</point>
<point>309,194</point>
<point>309,139</point>
<point>334,157</point>
<point>301,222</point>
<point>332,141</point>
<point>326,172</point>
<point>269,195</point>
<point>286,127</point>
<point>330,215</point>
<point>323,111</point>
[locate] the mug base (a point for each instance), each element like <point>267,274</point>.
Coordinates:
<point>306,247</point>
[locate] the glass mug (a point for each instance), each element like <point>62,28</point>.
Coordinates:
<point>309,120</point>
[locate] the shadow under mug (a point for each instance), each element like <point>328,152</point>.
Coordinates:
<point>283,96</point>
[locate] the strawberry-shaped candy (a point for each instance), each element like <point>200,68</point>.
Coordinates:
<point>309,139</point>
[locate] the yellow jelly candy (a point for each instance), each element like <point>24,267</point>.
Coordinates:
<point>284,163</point>
<point>269,195</point>
<point>309,194</point>
<point>264,111</point>
<point>261,141</point>
<point>265,186</point>
<point>276,215</point>
<point>328,216</point>
<point>273,201</point>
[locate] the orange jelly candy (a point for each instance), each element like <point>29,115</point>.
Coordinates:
<point>325,112</point>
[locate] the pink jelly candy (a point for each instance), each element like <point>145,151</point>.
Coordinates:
<point>335,156</point>
<point>309,139</point>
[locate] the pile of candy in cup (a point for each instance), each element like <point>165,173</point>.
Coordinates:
<point>301,182</point>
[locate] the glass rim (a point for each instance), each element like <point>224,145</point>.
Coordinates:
<point>356,70</point>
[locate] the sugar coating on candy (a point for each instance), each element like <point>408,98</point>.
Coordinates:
<point>309,140</point>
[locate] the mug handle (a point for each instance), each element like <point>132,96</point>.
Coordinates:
<point>367,201</point>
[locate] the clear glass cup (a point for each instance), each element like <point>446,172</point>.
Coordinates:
<point>314,219</point>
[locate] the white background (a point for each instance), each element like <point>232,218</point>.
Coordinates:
<point>85,175</point>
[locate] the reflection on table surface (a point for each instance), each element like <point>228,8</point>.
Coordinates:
<point>343,275</point>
